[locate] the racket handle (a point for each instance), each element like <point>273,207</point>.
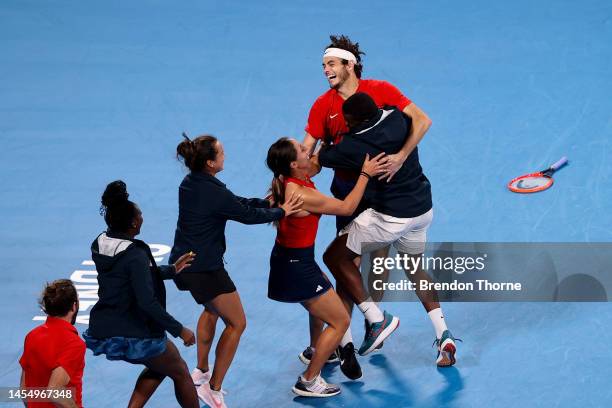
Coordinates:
<point>558,164</point>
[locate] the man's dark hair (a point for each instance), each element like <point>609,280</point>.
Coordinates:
<point>58,297</point>
<point>359,108</point>
<point>343,42</point>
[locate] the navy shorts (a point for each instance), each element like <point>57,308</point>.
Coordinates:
<point>295,276</point>
<point>205,286</point>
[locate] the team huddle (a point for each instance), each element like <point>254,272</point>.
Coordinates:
<point>367,132</point>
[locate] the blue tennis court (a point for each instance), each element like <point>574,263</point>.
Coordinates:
<point>94,92</point>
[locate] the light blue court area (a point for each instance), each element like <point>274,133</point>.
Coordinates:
<point>95,91</point>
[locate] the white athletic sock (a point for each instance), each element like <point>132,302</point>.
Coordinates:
<point>371,312</point>
<point>347,338</point>
<point>437,319</point>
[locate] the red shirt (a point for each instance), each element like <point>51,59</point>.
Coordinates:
<point>326,119</point>
<point>298,232</point>
<point>52,344</point>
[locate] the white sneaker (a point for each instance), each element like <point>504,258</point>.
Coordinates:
<point>212,398</point>
<point>199,377</point>
<point>318,387</point>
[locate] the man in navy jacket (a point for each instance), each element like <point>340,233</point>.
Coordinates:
<point>399,213</point>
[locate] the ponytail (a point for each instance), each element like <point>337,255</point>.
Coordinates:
<point>277,190</point>
<point>280,156</point>
<point>195,153</point>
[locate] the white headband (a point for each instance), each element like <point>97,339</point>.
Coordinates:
<point>340,53</point>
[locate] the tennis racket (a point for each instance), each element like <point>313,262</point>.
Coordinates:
<point>534,182</point>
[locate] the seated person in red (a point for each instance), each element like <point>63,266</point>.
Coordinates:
<point>53,353</point>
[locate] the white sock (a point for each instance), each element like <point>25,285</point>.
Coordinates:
<point>308,381</point>
<point>371,312</point>
<point>347,338</point>
<point>437,319</point>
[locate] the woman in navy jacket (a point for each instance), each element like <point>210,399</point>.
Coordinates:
<point>129,320</point>
<point>205,206</point>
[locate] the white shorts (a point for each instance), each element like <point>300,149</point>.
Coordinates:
<point>372,230</point>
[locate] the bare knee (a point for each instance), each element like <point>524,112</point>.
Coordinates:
<point>341,322</point>
<point>344,323</point>
<point>241,326</point>
<point>329,258</point>
<point>237,325</point>
<point>178,371</point>
<point>147,373</point>
<point>316,323</point>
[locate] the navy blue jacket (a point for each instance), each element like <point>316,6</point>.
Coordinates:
<point>205,206</point>
<point>408,194</point>
<point>132,295</point>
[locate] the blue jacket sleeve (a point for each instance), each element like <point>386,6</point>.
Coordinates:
<point>338,158</point>
<point>232,208</point>
<point>167,271</point>
<point>142,285</point>
<point>254,202</point>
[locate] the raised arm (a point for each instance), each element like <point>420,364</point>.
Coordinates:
<point>420,125</point>
<point>311,144</point>
<point>316,202</point>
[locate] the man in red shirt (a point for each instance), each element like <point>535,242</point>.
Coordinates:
<point>53,353</point>
<point>342,67</point>
<point>343,72</point>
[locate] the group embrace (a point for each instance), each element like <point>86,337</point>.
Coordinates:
<point>367,131</point>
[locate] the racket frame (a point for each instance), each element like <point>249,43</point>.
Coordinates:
<point>534,189</point>
<point>544,173</point>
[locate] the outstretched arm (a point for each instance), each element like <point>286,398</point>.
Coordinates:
<point>237,209</point>
<point>316,202</point>
<point>254,202</point>
<point>333,156</point>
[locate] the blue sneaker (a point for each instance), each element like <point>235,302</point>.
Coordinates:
<point>446,349</point>
<point>367,329</point>
<point>378,333</point>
